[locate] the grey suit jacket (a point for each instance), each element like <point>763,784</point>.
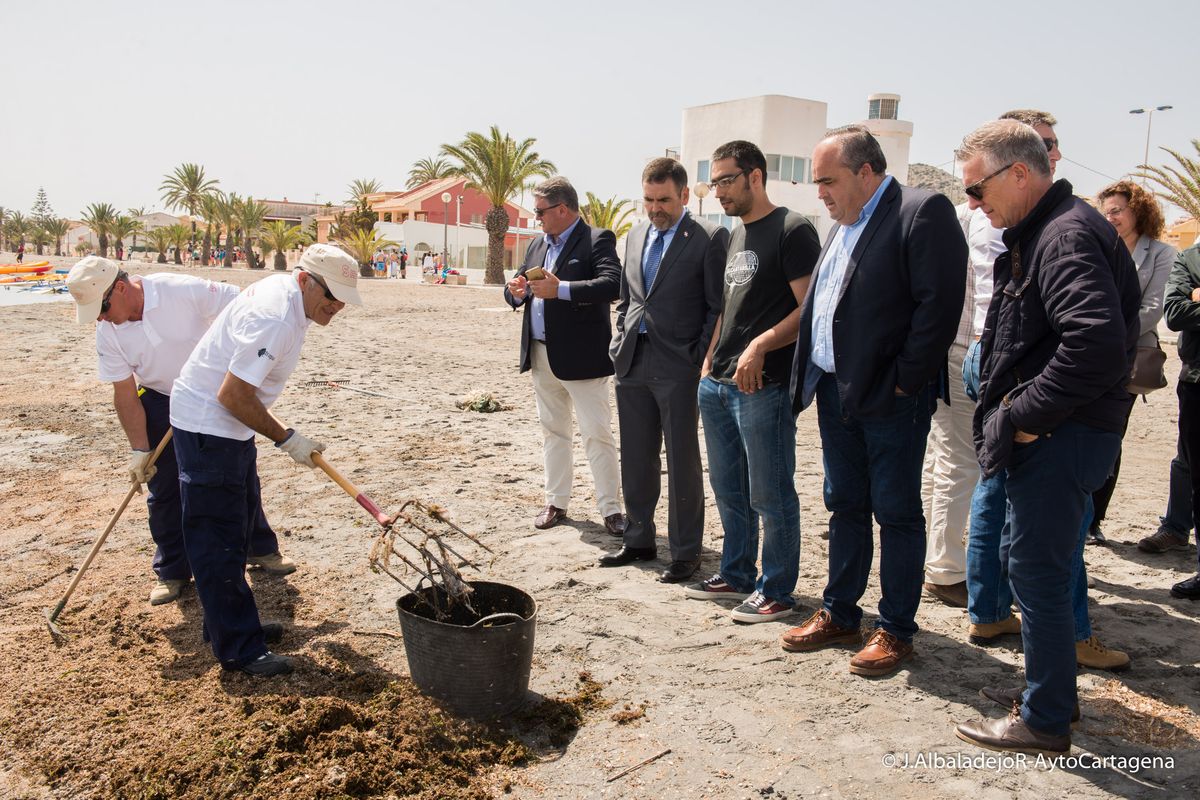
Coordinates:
<point>682,305</point>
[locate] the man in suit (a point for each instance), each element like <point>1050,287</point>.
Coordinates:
<point>670,298</point>
<point>877,322</point>
<point>565,335</point>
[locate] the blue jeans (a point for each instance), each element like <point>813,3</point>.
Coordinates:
<point>873,467</point>
<point>751,443</point>
<point>1079,587</point>
<point>216,479</point>
<point>1048,484</point>
<point>1179,499</point>
<point>970,371</point>
<point>989,597</point>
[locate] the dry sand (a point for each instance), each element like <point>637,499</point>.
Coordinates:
<point>135,686</point>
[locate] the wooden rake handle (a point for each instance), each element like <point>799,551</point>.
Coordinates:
<point>352,490</point>
<point>133,489</point>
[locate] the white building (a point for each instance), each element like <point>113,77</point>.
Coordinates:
<point>786,129</point>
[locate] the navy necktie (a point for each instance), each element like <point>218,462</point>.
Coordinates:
<point>651,270</point>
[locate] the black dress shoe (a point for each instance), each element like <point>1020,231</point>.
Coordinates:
<point>1187,590</point>
<point>679,571</point>
<point>627,555</point>
<point>1096,536</point>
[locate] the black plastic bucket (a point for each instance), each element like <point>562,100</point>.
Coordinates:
<point>476,664</point>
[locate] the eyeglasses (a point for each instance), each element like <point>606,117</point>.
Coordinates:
<point>725,181</point>
<point>323,285</point>
<point>1050,143</point>
<point>537,212</point>
<point>1113,213</point>
<point>106,300</point>
<point>975,190</point>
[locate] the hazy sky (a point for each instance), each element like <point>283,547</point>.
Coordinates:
<point>299,98</point>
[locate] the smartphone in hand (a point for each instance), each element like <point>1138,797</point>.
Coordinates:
<point>535,274</point>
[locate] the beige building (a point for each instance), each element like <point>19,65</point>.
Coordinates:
<point>1182,234</point>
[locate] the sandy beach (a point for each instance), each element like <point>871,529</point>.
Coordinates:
<point>134,686</point>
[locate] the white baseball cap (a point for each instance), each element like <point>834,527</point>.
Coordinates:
<point>337,268</point>
<point>87,282</point>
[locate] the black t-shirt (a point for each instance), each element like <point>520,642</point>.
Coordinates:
<point>764,257</point>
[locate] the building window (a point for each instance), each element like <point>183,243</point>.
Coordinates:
<point>772,167</point>
<point>477,219</point>
<point>884,108</point>
<point>723,220</point>
<point>702,171</point>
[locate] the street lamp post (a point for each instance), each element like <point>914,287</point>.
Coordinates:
<point>458,231</point>
<point>445,227</point>
<point>1149,112</point>
<point>701,190</point>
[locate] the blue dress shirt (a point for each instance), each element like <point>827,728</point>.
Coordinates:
<point>831,276</point>
<point>554,248</point>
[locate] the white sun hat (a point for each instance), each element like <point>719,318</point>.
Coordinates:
<point>337,268</point>
<point>87,282</point>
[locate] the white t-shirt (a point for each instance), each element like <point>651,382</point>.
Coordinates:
<point>258,337</point>
<point>176,311</point>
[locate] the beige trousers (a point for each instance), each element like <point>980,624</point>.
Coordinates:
<point>592,405</point>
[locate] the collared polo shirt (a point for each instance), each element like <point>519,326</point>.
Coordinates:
<point>176,311</point>
<point>258,337</point>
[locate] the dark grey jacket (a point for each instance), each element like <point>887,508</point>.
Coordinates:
<point>1061,330</point>
<point>1182,313</point>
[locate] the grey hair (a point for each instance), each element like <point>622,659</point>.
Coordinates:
<point>1031,117</point>
<point>559,190</point>
<point>1006,141</point>
<point>858,147</point>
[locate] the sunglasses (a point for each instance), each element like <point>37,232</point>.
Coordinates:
<point>323,285</point>
<point>1050,143</point>
<point>725,181</point>
<point>537,212</point>
<point>107,299</point>
<point>975,190</point>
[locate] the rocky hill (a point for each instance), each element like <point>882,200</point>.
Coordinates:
<point>924,176</point>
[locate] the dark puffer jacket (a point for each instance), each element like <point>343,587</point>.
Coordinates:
<point>1181,312</point>
<point>1061,330</point>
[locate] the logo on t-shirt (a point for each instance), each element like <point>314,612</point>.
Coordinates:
<point>263,352</point>
<point>741,268</point>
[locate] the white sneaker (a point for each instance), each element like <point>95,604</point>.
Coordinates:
<point>760,608</point>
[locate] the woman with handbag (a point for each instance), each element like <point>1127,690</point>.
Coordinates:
<point>1135,214</point>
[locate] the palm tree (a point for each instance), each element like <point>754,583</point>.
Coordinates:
<point>186,188</point>
<point>278,237</point>
<point>40,238</point>
<point>426,170</point>
<point>210,209</point>
<point>1179,186</point>
<point>3,219</point>
<point>497,166</point>
<point>139,211</point>
<point>123,227</point>
<point>361,245</point>
<point>360,188</point>
<point>224,210</point>
<point>160,240</point>
<point>99,217</point>
<point>250,219</point>
<point>179,236</point>
<point>607,214</point>
<point>58,228</point>
<point>16,228</point>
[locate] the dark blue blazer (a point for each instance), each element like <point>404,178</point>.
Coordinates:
<point>899,306</point>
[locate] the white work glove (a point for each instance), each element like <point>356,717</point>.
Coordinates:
<point>300,447</point>
<point>139,471</point>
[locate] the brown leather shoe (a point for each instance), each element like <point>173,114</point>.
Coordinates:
<point>816,632</point>
<point>883,654</point>
<point>1009,696</point>
<point>952,594</point>
<point>615,524</point>
<point>549,517</point>
<point>1011,735</point>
